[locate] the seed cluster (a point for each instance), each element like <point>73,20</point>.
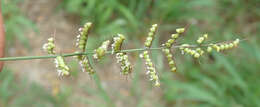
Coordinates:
<point>122,58</point>
<point>223,46</point>
<point>150,68</point>
<point>151,34</point>
<point>101,51</point>
<point>62,68</point>
<point>173,38</point>
<point>49,47</point>
<point>170,59</point>
<point>83,36</point>
<point>117,42</point>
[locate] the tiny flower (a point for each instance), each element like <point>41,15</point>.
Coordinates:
<point>150,68</point>
<point>169,43</point>
<point>196,55</point>
<point>230,45</point>
<point>175,36</point>
<point>49,47</point>
<point>222,47</point>
<point>83,36</point>
<point>62,68</point>
<point>180,30</point>
<point>122,58</point>
<point>117,42</point>
<point>209,49</point>
<point>151,34</point>
<point>201,39</point>
<point>216,47</point>
<point>101,51</point>
<point>236,42</point>
<point>200,51</point>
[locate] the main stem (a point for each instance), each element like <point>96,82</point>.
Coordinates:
<point>92,52</point>
<point>68,54</point>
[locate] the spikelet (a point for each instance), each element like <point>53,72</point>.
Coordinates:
<point>150,68</point>
<point>83,36</point>
<point>180,30</point>
<point>101,51</point>
<point>49,47</point>
<point>62,68</point>
<point>150,37</point>
<point>122,58</point>
<point>117,42</point>
<point>170,59</point>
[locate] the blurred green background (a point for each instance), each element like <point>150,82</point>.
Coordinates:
<point>229,79</point>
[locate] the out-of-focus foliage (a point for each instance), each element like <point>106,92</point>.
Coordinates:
<point>17,92</point>
<point>15,22</point>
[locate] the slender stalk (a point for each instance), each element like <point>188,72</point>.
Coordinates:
<point>68,54</point>
<point>88,52</point>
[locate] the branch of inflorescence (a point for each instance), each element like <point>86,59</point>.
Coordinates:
<point>88,52</point>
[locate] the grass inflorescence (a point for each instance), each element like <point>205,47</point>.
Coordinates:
<point>168,48</point>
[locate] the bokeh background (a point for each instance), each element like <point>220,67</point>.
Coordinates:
<point>228,79</point>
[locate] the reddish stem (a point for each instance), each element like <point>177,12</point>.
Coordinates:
<point>2,40</point>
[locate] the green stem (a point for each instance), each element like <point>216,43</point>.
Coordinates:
<point>92,52</point>
<point>68,55</point>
